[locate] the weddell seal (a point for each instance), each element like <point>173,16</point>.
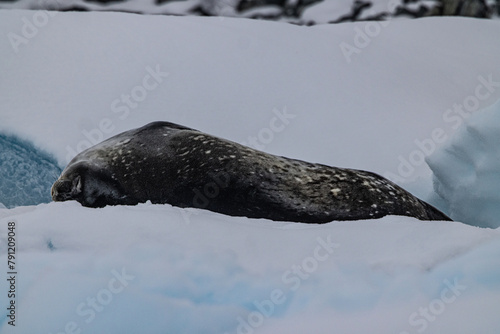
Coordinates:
<point>169,163</point>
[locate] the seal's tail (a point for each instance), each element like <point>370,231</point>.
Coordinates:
<point>433,213</point>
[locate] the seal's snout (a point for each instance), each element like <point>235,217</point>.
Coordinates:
<point>64,190</point>
<point>61,190</point>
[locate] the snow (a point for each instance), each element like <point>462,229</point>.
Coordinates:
<point>204,271</point>
<point>375,96</point>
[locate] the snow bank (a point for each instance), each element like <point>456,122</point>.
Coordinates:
<point>467,170</point>
<point>159,269</point>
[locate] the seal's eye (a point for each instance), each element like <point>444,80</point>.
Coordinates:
<point>77,185</point>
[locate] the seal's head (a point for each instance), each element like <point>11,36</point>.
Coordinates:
<point>90,185</point>
<point>65,189</point>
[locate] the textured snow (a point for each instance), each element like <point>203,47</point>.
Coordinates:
<point>191,271</point>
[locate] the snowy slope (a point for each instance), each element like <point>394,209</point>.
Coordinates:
<point>364,95</point>
<point>229,77</point>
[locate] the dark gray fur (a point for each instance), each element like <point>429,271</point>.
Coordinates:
<point>168,163</point>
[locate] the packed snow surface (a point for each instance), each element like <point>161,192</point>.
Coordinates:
<point>374,96</point>
<point>159,269</point>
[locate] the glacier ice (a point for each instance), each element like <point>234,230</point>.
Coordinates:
<point>467,170</point>
<point>26,175</point>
